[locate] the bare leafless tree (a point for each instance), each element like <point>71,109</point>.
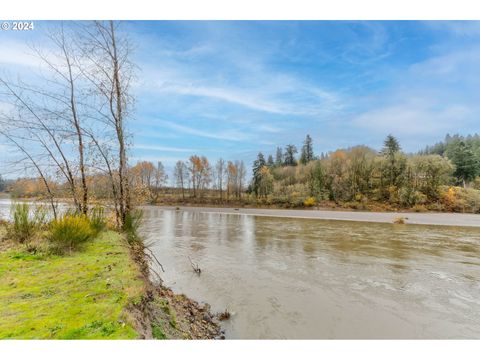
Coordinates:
<point>110,71</point>
<point>81,104</point>
<point>181,175</point>
<point>39,122</point>
<point>35,163</point>
<point>242,173</point>
<point>220,175</point>
<point>64,64</point>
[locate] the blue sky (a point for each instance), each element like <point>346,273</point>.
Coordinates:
<point>231,89</point>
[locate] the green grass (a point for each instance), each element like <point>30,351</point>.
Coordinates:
<point>157,332</point>
<point>77,296</point>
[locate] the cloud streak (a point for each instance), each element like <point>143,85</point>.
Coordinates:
<point>162,148</point>
<point>411,118</point>
<point>230,135</point>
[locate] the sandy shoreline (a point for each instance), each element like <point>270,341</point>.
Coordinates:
<point>446,219</point>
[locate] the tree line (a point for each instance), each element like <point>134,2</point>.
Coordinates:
<point>464,152</point>
<point>360,174</point>
<point>194,178</point>
<point>356,176</point>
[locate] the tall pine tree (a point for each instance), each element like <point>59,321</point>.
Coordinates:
<point>466,165</point>
<point>289,159</point>
<point>258,164</point>
<point>270,162</point>
<point>391,147</point>
<point>307,151</point>
<point>279,157</point>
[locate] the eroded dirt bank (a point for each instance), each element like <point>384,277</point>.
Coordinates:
<point>162,314</point>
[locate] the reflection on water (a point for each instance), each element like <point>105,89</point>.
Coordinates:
<point>6,207</point>
<point>297,278</point>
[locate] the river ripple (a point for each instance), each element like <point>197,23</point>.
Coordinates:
<point>298,278</point>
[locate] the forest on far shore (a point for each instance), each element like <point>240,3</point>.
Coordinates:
<point>441,177</point>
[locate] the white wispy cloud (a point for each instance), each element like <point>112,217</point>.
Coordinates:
<point>226,94</point>
<point>162,148</point>
<point>413,118</point>
<point>18,53</point>
<point>229,134</point>
<point>458,28</point>
<point>292,97</point>
<point>168,161</point>
<point>372,44</point>
<point>6,108</point>
<point>243,79</point>
<point>430,98</point>
<point>450,66</point>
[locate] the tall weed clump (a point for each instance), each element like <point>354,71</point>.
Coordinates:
<point>26,223</point>
<point>98,219</point>
<point>70,231</point>
<point>133,220</point>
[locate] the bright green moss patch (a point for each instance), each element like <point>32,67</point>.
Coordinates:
<point>77,296</point>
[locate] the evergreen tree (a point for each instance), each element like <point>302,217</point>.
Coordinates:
<point>466,165</point>
<point>279,157</point>
<point>270,162</point>
<point>289,159</point>
<point>2,184</point>
<point>307,151</point>
<point>258,164</point>
<point>390,146</point>
<point>394,167</point>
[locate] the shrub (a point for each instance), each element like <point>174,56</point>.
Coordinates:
<point>24,225</point>
<point>459,199</point>
<point>419,208</point>
<point>133,220</point>
<point>356,205</point>
<point>70,231</point>
<point>476,183</point>
<point>408,196</point>
<point>393,194</point>
<point>359,197</point>
<point>98,219</point>
<point>309,202</point>
<point>448,197</point>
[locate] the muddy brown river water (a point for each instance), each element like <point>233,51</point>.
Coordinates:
<point>292,278</point>
<point>287,278</point>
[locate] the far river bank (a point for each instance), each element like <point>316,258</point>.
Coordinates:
<point>418,218</point>
<point>430,218</point>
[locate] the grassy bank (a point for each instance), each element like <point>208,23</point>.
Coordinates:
<point>97,291</point>
<point>79,296</point>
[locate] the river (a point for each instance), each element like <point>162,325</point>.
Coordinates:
<point>287,278</point>
<point>321,279</point>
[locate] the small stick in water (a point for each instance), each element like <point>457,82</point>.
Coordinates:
<point>225,315</point>
<point>195,267</point>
